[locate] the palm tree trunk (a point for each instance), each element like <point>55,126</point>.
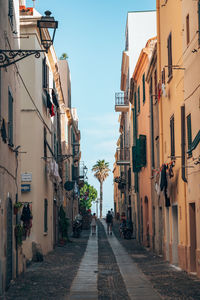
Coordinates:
<point>101,198</point>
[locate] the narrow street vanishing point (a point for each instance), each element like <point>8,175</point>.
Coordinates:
<point>103,267</point>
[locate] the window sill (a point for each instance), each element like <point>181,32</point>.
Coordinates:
<point>45,233</point>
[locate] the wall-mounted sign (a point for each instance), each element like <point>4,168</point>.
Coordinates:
<point>26,177</point>
<point>25,188</point>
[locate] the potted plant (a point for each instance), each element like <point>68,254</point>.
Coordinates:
<point>17,207</point>
<point>19,234</point>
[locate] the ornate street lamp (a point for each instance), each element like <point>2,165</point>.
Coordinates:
<point>45,25</point>
<point>47,22</point>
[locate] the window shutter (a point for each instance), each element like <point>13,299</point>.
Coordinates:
<point>138,98</point>
<point>172,136</point>
<point>134,159</point>
<point>143,82</point>
<point>11,11</point>
<point>142,150</point>
<point>189,131</point>
<point>0,93</point>
<point>169,46</point>
<point>10,119</point>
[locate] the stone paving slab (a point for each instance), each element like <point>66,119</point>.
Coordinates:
<point>84,286</point>
<point>131,274</point>
<point>170,283</point>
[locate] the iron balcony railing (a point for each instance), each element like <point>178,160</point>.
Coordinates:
<point>123,155</point>
<point>121,99</point>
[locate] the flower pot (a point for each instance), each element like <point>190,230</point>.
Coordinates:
<point>15,210</point>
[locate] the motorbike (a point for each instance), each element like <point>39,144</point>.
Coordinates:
<point>77,227</point>
<point>126,230</point>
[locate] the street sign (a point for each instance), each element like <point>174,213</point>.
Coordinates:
<point>26,177</point>
<point>25,188</point>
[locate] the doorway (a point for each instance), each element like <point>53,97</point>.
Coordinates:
<point>9,243</point>
<point>193,240</point>
<point>175,235</point>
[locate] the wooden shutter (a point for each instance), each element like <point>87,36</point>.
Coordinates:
<point>10,118</point>
<point>143,83</point>
<point>172,136</point>
<point>10,11</point>
<point>187,29</point>
<point>45,142</point>
<point>138,98</point>
<point>189,131</point>
<point>169,46</point>
<point>142,150</point>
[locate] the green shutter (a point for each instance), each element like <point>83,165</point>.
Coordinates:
<point>143,82</point>
<point>189,131</point>
<point>142,150</point>
<point>138,99</point>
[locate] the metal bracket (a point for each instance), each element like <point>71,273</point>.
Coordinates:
<point>9,57</point>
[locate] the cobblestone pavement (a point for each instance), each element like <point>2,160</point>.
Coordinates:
<point>52,278</point>
<point>168,281</point>
<point>110,283</point>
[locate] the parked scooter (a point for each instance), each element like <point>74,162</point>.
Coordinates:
<point>126,229</point>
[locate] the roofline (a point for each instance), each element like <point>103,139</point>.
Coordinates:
<point>141,11</point>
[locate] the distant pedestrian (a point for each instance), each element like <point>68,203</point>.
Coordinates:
<point>109,221</point>
<point>112,212</point>
<point>93,223</point>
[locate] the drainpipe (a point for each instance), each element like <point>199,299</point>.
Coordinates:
<point>183,163</point>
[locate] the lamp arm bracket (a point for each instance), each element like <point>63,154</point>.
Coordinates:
<point>9,57</point>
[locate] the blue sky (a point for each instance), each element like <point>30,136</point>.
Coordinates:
<point>92,33</point>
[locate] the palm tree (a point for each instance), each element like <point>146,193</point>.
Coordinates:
<point>101,172</point>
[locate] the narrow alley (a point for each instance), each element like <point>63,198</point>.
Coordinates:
<point>103,267</point>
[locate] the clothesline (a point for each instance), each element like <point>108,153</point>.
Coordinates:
<point>158,170</point>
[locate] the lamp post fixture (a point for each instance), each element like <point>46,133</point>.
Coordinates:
<point>9,57</point>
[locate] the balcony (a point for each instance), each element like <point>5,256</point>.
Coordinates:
<point>121,102</point>
<point>123,156</point>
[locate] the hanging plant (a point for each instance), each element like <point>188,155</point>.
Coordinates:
<point>17,207</point>
<point>19,231</point>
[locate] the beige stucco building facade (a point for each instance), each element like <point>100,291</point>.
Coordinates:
<point>191,109</point>
<point>9,141</point>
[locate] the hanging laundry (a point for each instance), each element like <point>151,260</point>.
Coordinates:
<point>171,172</point>
<point>26,217</point>
<point>3,131</point>
<point>54,97</point>
<point>164,184</point>
<point>52,113</point>
<point>49,103</point>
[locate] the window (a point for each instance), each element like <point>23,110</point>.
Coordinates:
<point>45,142</point>
<point>155,84</point>
<point>138,98</point>
<point>163,75</point>
<point>10,118</point>
<point>45,215</point>
<point>143,83</point>
<point>187,29</point>
<point>45,74</point>
<point>189,131</point>
<point>172,136</point>
<point>169,46</point>
<point>10,12</point>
